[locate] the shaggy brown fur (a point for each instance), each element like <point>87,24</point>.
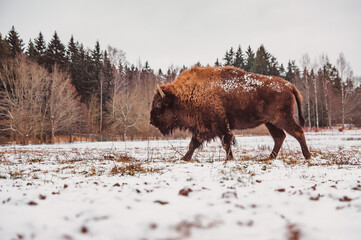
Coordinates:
<point>211,101</point>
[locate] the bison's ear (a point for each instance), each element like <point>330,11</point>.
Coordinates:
<point>167,94</point>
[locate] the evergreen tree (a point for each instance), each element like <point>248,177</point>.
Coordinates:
<point>198,64</point>
<point>108,79</point>
<point>5,51</point>
<point>293,73</point>
<point>217,63</point>
<point>83,70</point>
<point>15,42</point>
<point>97,58</point>
<point>40,47</point>
<point>75,65</point>
<point>261,61</point>
<point>146,74</point>
<point>274,69</point>
<point>249,66</point>
<point>239,58</point>
<point>182,69</point>
<point>55,53</point>
<point>131,76</point>
<point>72,53</point>
<point>171,74</point>
<point>229,57</point>
<point>31,51</point>
<point>282,72</point>
<point>147,67</point>
<point>97,55</point>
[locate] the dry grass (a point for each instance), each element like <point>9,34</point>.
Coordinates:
<point>132,169</point>
<point>23,163</point>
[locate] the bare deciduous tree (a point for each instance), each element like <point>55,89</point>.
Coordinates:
<point>65,109</point>
<point>118,59</point>
<point>325,85</point>
<point>126,114</point>
<point>341,65</point>
<point>93,115</point>
<point>305,63</point>
<point>315,82</point>
<point>21,98</point>
<point>35,103</point>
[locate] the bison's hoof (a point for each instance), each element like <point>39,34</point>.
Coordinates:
<point>308,156</point>
<point>273,155</point>
<point>185,158</point>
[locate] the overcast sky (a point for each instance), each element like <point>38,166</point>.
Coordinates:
<point>166,32</point>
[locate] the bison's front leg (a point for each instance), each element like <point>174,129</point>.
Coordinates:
<point>193,145</point>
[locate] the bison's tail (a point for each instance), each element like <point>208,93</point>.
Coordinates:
<point>299,105</point>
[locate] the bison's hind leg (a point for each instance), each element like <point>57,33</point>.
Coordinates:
<point>295,130</point>
<point>278,137</point>
<point>227,141</point>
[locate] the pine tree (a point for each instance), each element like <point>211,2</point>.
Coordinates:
<point>147,67</point>
<point>108,78</point>
<point>217,63</point>
<point>31,51</point>
<point>239,58</point>
<point>97,58</point>
<point>293,73</point>
<point>282,72</point>
<point>261,61</point>
<point>5,51</point>
<point>182,69</point>
<point>75,65</point>
<point>274,69</point>
<point>198,64</point>
<point>97,55</point>
<point>229,57</point>
<point>15,42</point>
<point>249,66</point>
<point>55,53</point>
<point>87,72</point>
<point>72,52</point>
<point>40,47</point>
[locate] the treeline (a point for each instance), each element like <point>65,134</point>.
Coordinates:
<point>51,89</point>
<point>48,89</point>
<point>332,94</point>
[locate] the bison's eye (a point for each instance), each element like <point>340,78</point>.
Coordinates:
<point>159,105</point>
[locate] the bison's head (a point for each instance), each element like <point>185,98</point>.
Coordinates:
<point>162,114</point>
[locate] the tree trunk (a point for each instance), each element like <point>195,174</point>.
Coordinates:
<point>52,129</point>
<point>325,89</point>
<point>125,133</point>
<point>101,109</point>
<point>308,102</point>
<point>343,103</point>
<point>316,102</point>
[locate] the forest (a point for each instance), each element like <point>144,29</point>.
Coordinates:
<point>51,91</point>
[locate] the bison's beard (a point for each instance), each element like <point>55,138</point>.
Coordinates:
<point>165,130</point>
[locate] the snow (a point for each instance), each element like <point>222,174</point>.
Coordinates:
<point>276,86</point>
<point>68,191</point>
<point>247,83</point>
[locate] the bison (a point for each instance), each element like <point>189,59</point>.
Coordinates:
<point>212,101</point>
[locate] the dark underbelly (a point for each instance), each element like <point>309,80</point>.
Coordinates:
<point>245,119</point>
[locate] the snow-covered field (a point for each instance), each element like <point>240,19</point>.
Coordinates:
<point>141,190</point>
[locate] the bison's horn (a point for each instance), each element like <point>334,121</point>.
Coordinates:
<point>160,91</point>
